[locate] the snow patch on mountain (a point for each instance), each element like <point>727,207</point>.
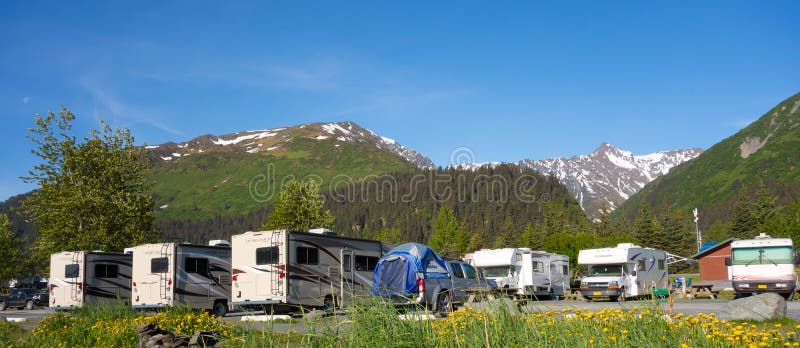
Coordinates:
<point>608,176</point>
<point>256,141</point>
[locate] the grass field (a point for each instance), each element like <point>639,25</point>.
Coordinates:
<point>374,323</point>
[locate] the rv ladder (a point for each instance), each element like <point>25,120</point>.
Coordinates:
<point>163,284</point>
<point>75,288</point>
<point>277,241</point>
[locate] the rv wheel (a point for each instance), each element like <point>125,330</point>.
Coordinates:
<point>220,308</point>
<point>2,305</point>
<point>29,305</point>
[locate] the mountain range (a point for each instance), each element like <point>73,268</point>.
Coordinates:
<point>605,178</point>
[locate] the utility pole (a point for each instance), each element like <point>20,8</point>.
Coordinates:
<point>697,227</point>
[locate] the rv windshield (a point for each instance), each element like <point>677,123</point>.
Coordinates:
<point>605,270</point>
<point>762,256</point>
<point>497,271</point>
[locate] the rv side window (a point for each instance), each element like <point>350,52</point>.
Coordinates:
<point>457,272</point>
<point>538,266</point>
<point>470,271</point>
<point>660,265</point>
<point>266,255</point>
<point>366,263</point>
<point>71,271</point>
<point>565,269</point>
<point>196,265</point>
<point>159,265</point>
<point>307,256</point>
<point>640,265</point>
<point>106,271</point>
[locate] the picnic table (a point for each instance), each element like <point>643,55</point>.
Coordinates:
<point>702,290</point>
<point>480,294</point>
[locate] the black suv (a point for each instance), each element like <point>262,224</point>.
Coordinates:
<point>24,298</point>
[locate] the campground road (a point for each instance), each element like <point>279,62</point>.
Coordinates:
<point>32,317</point>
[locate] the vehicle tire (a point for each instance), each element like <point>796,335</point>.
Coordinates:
<point>444,302</point>
<point>29,305</point>
<point>220,308</point>
<point>621,297</point>
<point>789,296</point>
<point>2,305</point>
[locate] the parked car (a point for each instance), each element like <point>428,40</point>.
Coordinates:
<point>415,274</point>
<point>24,298</point>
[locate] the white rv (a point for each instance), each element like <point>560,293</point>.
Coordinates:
<point>77,277</point>
<point>763,264</point>
<point>532,273</point>
<point>282,269</point>
<point>168,274</point>
<point>623,271</point>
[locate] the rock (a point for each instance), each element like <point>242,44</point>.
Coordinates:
<point>758,307</point>
<point>203,339</point>
<point>495,306</point>
<point>314,315</point>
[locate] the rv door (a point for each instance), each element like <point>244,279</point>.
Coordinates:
<point>346,271</point>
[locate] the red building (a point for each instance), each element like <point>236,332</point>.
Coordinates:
<point>712,261</point>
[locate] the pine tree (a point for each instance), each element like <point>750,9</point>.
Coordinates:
<point>478,241</point>
<point>449,236</point>
<point>507,238</point>
<point>763,208</point>
<point>602,226</point>
<point>644,226</point>
<point>92,193</point>
<point>299,208</point>
<point>743,224</point>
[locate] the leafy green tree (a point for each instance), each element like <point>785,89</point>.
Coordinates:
<point>10,252</point>
<point>570,244</point>
<point>299,207</point>
<point>92,193</point>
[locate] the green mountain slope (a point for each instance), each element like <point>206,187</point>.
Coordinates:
<point>767,151</point>
<point>236,174</point>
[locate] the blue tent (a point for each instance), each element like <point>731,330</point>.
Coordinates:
<point>396,272</point>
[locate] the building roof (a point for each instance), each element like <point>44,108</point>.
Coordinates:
<point>708,249</point>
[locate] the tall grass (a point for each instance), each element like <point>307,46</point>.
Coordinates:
<point>373,322</point>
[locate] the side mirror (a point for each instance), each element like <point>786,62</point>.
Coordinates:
<point>728,261</point>
<point>796,259</point>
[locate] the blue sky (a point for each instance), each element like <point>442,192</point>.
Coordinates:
<point>510,80</point>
